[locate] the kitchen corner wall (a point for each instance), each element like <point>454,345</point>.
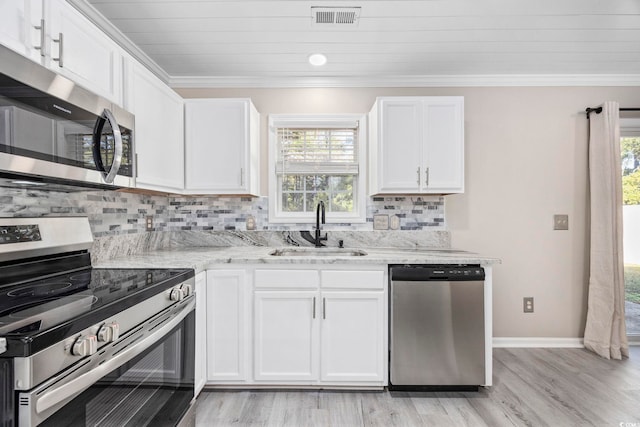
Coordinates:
<point>525,160</point>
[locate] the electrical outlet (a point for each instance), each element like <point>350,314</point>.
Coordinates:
<point>251,223</point>
<point>149,223</point>
<point>527,304</point>
<point>561,222</point>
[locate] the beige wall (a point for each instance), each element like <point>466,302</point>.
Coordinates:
<point>526,159</point>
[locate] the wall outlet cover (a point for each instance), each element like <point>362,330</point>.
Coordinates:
<point>148,223</point>
<point>251,223</point>
<point>381,222</point>
<point>394,222</point>
<point>527,304</point>
<point>561,222</point>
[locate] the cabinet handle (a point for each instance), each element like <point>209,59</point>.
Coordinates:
<point>60,58</point>
<point>314,307</point>
<point>324,308</point>
<point>241,177</point>
<point>418,180</point>
<point>42,37</point>
<point>426,179</point>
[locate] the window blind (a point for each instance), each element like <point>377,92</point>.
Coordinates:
<point>303,150</point>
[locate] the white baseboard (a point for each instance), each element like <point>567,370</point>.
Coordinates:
<point>499,342</point>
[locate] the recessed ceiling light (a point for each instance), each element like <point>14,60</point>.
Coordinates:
<point>317,59</point>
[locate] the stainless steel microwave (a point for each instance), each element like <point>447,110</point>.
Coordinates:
<point>53,131</point>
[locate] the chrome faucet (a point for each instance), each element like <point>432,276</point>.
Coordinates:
<point>319,238</point>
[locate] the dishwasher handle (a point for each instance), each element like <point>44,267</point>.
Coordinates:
<point>432,273</point>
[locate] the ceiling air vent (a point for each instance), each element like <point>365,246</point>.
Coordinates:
<point>326,16</point>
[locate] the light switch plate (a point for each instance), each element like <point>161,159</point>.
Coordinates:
<point>561,222</point>
<point>381,222</point>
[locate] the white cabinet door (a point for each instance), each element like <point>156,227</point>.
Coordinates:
<point>81,51</point>
<point>400,145</point>
<point>352,339</point>
<point>418,145</point>
<point>444,144</point>
<point>286,336</point>
<point>159,131</point>
<point>200,366</point>
<point>18,19</point>
<point>222,146</point>
<point>227,325</point>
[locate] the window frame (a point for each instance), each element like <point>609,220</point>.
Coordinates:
<point>276,215</point>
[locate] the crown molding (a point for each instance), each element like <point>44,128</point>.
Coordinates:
<point>118,37</point>
<point>471,80</point>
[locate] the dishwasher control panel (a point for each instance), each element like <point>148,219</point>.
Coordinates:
<point>426,272</point>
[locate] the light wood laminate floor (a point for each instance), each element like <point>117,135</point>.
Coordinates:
<point>532,387</point>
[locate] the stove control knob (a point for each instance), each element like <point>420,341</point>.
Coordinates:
<point>109,332</point>
<point>186,290</point>
<point>176,294</point>
<point>85,346</point>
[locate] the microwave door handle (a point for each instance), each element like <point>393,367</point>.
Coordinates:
<point>56,395</point>
<point>117,138</point>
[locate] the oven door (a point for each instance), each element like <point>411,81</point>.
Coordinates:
<point>145,378</point>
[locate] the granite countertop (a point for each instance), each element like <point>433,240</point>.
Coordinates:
<point>202,258</point>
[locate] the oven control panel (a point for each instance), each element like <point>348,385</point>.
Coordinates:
<point>19,233</point>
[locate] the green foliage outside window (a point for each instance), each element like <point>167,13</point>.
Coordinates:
<point>630,152</point>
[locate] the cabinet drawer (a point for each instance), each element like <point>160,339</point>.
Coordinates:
<point>287,279</point>
<point>352,279</point>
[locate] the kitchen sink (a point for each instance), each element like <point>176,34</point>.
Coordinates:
<point>315,252</point>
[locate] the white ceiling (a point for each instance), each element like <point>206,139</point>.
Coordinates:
<point>263,42</point>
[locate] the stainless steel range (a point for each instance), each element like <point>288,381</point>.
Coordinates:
<point>83,346</point>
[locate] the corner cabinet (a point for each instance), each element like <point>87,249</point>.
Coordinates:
<point>222,146</point>
<point>417,145</point>
<point>298,325</point>
<point>159,132</point>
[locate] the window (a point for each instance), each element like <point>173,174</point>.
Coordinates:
<point>630,152</point>
<point>313,159</point>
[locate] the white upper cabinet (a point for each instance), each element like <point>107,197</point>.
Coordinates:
<point>59,37</point>
<point>159,131</point>
<point>82,52</point>
<point>417,145</point>
<point>18,27</point>
<point>222,146</point>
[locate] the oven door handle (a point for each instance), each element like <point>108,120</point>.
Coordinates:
<point>74,387</point>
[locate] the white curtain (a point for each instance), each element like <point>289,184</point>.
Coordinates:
<point>605,332</point>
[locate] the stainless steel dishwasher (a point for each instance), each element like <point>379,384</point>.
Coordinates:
<point>437,339</point>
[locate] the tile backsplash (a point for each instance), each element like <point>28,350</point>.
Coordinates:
<point>116,213</point>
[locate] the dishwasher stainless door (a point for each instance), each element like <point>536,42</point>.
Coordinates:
<point>437,333</point>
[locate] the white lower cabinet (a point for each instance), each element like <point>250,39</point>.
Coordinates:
<point>228,319</point>
<point>307,326</point>
<point>285,336</point>
<point>352,344</point>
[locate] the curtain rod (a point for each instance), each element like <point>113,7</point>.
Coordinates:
<point>598,110</point>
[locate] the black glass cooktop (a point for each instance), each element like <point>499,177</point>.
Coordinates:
<point>63,304</point>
